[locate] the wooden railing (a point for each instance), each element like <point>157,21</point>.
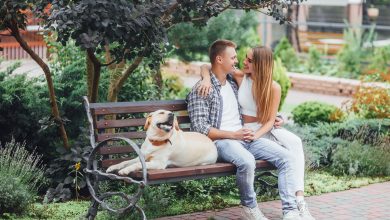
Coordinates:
<point>13,51</point>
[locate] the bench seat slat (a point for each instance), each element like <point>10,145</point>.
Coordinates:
<point>137,107</point>
<point>187,171</point>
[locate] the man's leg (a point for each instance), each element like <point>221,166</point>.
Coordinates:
<point>234,152</point>
<point>280,157</point>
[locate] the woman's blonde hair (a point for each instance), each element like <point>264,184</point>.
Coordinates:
<point>263,63</point>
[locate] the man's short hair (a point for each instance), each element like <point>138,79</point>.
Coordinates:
<point>218,47</point>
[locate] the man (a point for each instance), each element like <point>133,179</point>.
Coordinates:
<point>218,116</point>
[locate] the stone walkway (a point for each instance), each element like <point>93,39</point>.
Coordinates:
<point>365,203</point>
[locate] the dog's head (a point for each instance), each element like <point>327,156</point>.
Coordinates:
<point>160,123</point>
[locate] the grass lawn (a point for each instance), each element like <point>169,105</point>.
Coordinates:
<point>317,182</point>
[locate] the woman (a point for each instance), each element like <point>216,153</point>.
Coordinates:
<point>259,97</point>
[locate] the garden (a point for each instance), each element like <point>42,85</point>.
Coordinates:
<point>44,130</point>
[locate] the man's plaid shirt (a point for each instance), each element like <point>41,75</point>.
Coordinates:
<point>206,112</point>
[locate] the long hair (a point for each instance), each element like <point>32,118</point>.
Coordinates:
<point>263,63</point>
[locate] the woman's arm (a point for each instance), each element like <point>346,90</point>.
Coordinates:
<point>238,75</point>
<point>274,108</point>
<point>205,86</point>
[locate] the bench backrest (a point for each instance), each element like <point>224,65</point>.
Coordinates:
<point>126,119</point>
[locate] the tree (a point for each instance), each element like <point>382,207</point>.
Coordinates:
<point>13,18</point>
<point>237,26</point>
<point>134,29</point>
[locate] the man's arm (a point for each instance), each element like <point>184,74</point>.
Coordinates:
<point>242,134</point>
<point>198,110</point>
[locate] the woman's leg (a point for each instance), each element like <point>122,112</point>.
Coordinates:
<point>294,144</point>
<point>281,158</point>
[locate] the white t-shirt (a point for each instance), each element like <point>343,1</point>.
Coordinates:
<point>230,115</point>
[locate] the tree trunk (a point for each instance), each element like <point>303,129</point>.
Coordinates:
<point>96,75</point>
<point>53,102</point>
<point>158,81</point>
<point>90,73</point>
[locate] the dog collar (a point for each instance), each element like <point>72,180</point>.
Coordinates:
<point>159,143</point>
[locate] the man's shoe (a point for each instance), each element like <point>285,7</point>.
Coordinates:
<point>304,211</point>
<point>292,215</point>
<point>252,213</point>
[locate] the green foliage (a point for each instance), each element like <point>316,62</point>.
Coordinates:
<point>361,160</point>
<point>286,53</point>
<point>23,103</point>
<point>21,175</point>
<point>354,52</point>
<point>173,88</point>
<point>241,54</point>
<point>280,76</point>
<point>314,60</point>
<point>322,140</point>
<point>192,42</point>
<point>312,112</point>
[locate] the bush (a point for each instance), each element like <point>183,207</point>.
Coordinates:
<point>280,76</point>
<point>21,175</point>
<point>321,141</point>
<point>286,53</point>
<point>361,160</point>
<point>371,102</point>
<point>312,112</point>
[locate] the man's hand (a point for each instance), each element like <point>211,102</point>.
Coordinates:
<point>278,122</point>
<point>244,134</point>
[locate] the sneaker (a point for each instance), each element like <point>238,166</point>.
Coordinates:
<point>304,211</point>
<point>252,213</point>
<point>292,215</point>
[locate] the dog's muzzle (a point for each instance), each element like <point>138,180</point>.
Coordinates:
<point>167,125</point>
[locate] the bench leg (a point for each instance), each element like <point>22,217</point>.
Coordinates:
<point>264,183</point>
<point>92,211</point>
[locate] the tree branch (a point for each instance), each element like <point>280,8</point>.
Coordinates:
<point>128,71</point>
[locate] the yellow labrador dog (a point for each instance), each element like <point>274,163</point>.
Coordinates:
<point>167,145</point>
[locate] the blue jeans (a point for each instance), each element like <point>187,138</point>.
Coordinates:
<point>243,155</point>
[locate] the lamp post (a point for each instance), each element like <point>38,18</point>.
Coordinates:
<point>372,13</point>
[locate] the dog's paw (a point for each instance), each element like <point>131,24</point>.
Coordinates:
<point>111,169</point>
<point>124,172</point>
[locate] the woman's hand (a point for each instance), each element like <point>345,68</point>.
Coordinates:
<point>204,88</point>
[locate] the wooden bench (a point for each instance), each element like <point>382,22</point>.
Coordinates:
<point>116,132</point>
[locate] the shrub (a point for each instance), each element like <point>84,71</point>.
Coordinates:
<point>286,53</point>
<point>312,112</point>
<point>21,175</point>
<point>361,160</point>
<point>321,141</point>
<point>352,54</point>
<point>371,102</point>
<point>378,70</point>
<point>280,76</point>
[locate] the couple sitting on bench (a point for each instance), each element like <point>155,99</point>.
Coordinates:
<point>237,110</point>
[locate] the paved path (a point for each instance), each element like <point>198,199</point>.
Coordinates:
<point>366,203</point>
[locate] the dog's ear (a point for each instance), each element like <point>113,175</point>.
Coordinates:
<point>148,121</point>
<point>176,124</point>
